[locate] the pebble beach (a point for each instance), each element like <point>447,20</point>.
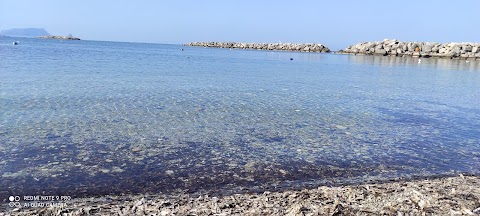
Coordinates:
<point>459,195</point>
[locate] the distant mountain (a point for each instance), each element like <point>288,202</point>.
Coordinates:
<point>25,32</point>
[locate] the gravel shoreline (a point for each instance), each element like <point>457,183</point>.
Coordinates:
<point>458,195</point>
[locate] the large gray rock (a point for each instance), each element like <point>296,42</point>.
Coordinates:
<point>427,47</point>
<point>390,42</point>
<point>467,48</point>
<point>475,49</point>
<point>456,49</point>
<point>411,47</point>
<point>380,51</point>
<point>369,45</point>
<point>450,54</point>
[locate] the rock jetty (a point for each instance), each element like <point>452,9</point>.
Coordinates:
<point>308,47</point>
<point>416,49</point>
<point>60,37</point>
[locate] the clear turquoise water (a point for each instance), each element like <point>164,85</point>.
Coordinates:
<point>86,118</point>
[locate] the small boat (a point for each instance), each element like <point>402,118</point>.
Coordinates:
<point>15,43</point>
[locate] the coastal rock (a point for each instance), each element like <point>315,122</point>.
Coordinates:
<point>308,47</point>
<point>415,49</point>
<point>467,48</point>
<point>475,49</point>
<point>60,37</point>
<point>380,51</point>
<point>427,47</point>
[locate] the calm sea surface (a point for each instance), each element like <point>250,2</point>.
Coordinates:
<point>87,118</point>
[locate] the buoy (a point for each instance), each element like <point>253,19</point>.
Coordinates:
<point>419,61</point>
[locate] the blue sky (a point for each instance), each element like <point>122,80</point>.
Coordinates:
<point>332,23</point>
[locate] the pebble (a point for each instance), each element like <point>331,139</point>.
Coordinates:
<point>117,169</point>
<point>169,172</point>
<point>250,166</point>
<point>11,175</point>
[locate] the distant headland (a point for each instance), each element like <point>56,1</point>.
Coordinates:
<point>24,32</point>
<point>69,37</point>
<point>34,33</point>
<point>416,49</point>
<point>308,47</point>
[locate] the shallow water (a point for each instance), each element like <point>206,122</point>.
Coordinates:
<point>88,118</point>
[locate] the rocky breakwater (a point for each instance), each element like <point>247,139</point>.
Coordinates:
<point>308,47</point>
<point>416,49</point>
<point>60,37</point>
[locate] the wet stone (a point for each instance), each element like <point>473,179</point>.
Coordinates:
<point>117,169</point>
<point>169,172</point>
<point>251,166</point>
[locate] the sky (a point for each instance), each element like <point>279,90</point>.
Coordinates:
<point>335,24</point>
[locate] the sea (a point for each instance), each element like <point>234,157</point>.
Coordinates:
<point>93,118</point>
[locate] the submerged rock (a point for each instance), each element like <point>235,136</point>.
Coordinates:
<point>169,172</point>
